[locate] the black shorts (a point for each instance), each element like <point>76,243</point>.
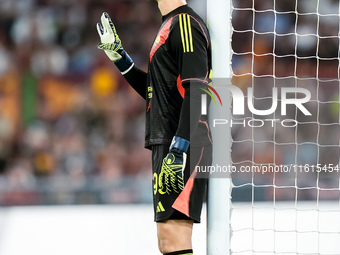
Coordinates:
<point>188,203</point>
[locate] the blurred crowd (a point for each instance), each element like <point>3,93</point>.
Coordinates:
<point>65,111</point>
<point>68,119</point>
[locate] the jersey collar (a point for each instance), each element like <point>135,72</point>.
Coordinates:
<point>178,10</point>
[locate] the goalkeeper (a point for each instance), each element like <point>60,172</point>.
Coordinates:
<point>179,66</point>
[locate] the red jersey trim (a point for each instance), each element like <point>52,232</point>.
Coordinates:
<point>162,36</point>
<point>181,204</point>
<point>180,88</point>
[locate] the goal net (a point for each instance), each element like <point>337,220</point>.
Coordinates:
<point>285,146</point>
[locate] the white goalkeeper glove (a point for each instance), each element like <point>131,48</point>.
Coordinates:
<point>112,45</point>
<point>171,178</point>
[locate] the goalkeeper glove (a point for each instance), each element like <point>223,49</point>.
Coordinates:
<point>171,176</point>
<point>112,45</point>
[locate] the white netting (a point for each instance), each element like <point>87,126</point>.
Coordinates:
<point>287,44</point>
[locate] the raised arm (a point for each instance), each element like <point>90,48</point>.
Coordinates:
<point>112,46</point>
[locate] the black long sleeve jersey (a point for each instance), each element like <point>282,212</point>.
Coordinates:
<point>179,66</point>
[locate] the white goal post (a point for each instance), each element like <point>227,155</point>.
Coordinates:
<point>287,199</point>
<point>219,189</point>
